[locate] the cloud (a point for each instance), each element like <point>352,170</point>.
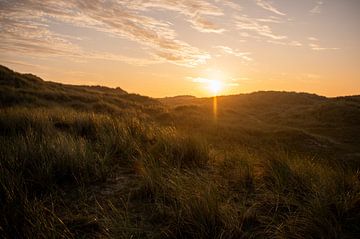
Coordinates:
<point>317,47</point>
<point>262,29</point>
<point>31,28</point>
<point>295,43</point>
<point>318,8</point>
<point>30,38</point>
<point>254,25</point>
<point>25,37</point>
<point>312,39</point>
<point>230,4</point>
<point>203,25</point>
<point>285,43</point>
<point>196,12</point>
<point>243,55</point>
<point>26,28</point>
<point>270,20</point>
<point>268,6</point>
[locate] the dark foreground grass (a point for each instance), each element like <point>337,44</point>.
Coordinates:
<point>65,174</point>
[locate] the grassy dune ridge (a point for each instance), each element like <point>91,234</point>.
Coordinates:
<point>274,165</point>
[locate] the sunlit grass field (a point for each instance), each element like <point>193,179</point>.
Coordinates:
<point>268,165</point>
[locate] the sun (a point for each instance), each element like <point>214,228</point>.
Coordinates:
<point>215,86</point>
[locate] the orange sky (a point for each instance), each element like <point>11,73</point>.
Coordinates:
<point>176,47</point>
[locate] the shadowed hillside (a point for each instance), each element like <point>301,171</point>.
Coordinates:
<point>304,121</point>
<point>30,91</point>
<point>96,162</point>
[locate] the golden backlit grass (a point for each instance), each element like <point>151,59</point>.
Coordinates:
<point>68,174</point>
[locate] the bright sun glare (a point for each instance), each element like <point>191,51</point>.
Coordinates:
<point>215,86</point>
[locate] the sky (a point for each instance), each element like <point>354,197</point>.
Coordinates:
<point>187,47</point>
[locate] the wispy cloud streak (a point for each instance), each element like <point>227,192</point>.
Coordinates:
<point>268,6</point>
<point>254,25</point>
<point>245,56</point>
<point>318,8</point>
